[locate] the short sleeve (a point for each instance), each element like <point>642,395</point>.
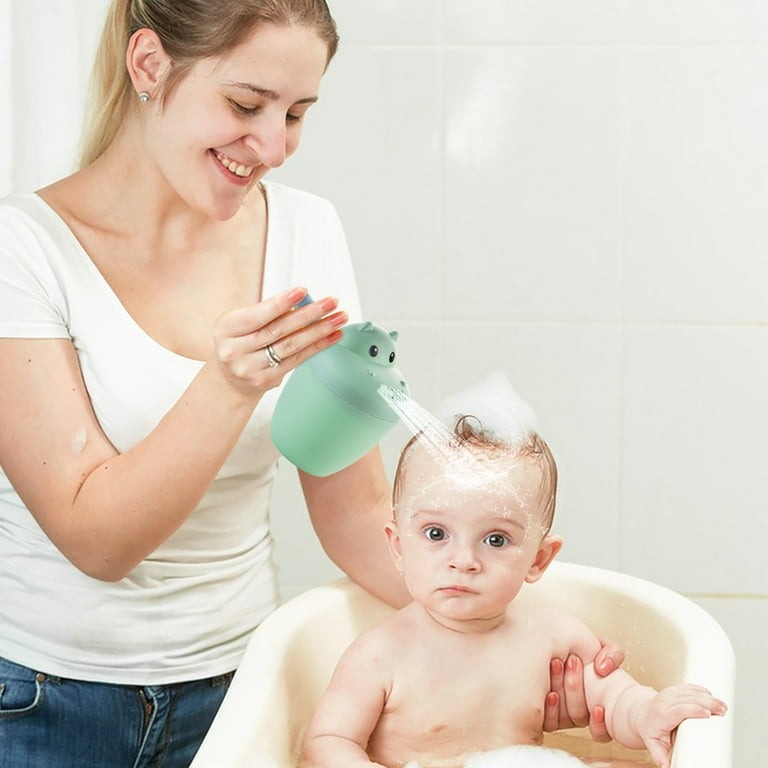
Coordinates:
<point>31,301</point>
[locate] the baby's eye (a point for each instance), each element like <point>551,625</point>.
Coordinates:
<point>434,533</point>
<point>497,540</point>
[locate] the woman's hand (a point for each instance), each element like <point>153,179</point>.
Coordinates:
<point>565,706</point>
<point>255,346</point>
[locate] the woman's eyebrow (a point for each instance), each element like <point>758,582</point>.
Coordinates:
<point>266,92</point>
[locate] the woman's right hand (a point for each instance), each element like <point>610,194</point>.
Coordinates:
<point>248,340</point>
<point>78,486</point>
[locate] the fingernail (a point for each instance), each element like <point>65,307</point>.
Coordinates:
<point>338,319</point>
<point>296,295</point>
<point>329,304</point>
<point>334,336</point>
<point>606,667</point>
<point>303,303</point>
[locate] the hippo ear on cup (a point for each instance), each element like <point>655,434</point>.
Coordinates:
<point>394,335</point>
<point>367,326</point>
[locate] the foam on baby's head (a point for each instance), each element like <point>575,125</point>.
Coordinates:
<point>499,412</point>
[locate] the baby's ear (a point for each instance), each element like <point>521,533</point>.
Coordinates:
<point>393,539</point>
<point>546,553</point>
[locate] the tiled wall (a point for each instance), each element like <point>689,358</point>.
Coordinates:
<point>575,192</point>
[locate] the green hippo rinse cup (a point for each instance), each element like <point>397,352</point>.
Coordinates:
<point>330,412</point>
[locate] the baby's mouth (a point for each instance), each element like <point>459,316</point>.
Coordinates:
<point>243,171</point>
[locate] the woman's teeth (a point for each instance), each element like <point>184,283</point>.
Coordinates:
<point>237,168</point>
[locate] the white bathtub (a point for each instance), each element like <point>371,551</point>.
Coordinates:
<point>668,639</point>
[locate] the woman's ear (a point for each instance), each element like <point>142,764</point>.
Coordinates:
<point>393,539</point>
<point>546,553</point>
<point>146,60</point>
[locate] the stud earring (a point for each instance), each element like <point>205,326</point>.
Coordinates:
<point>144,97</point>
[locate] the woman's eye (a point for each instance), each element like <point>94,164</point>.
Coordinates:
<point>241,109</point>
<point>289,118</point>
<point>497,540</point>
<point>433,533</point>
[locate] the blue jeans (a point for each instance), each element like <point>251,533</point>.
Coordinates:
<point>52,722</point>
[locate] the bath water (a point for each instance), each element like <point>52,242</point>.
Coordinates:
<point>438,439</point>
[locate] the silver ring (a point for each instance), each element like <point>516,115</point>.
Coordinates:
<point>273,359</point>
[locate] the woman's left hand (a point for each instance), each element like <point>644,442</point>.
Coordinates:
<point>565,706</point>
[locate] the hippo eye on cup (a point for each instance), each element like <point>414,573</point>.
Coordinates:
<point>373,351</point>
<point>391,357</point>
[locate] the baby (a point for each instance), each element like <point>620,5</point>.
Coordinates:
<point>464,668</point>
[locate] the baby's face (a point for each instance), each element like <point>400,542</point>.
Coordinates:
<point>468,531</point>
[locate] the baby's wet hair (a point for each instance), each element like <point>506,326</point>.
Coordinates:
<point>469,433</point>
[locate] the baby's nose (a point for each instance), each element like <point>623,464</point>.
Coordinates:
<point>464,558</point>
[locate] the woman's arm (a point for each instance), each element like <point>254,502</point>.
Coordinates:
<point>107,511</point>
<point>349,510</point>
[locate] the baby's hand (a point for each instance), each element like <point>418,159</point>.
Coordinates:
<point>667,709</point>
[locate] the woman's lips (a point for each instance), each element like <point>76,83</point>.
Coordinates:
<point>241,176</point>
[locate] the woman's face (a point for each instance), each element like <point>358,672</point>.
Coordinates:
<point>233,118</point>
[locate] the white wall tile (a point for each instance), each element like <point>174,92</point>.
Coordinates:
<point>695,442</point>
<point>696,160</point>
<point>6,90</point>
<point>532,179</point>
<point>696,21</point>
<point>389,22</point>
<point>514,21</point>
<point>374,148</point>
<point>745,621</point>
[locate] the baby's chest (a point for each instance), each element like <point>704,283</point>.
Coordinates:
<point>494,690</point>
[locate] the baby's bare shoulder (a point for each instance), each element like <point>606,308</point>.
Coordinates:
<point>386,634</point>
<point>550,622</point>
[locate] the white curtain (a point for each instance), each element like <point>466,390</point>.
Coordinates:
<point>46,51</point>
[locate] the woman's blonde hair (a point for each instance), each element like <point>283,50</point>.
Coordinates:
<point>189,30</point>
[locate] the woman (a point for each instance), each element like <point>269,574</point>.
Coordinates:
<point>148,312</point>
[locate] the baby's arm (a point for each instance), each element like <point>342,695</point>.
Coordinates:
<point>338,733</point>
<point>638,716</point>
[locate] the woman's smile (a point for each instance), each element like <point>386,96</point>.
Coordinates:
<point>235,172</point>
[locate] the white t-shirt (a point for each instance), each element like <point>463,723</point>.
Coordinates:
<point>187,611</point>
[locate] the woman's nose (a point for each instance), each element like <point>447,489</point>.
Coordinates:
<point>269,143</point>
